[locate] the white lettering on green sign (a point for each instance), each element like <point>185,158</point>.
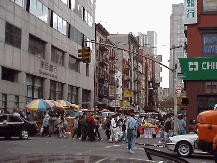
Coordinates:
<point>193,66</point>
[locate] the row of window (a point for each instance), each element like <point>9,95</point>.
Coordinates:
<point>80,11</point>
<point>35,90</point>
<point>4,101</point>
<point>36,47</point>
<point>42,12</point>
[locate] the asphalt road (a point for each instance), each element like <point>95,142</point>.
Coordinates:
<point>38,149</point>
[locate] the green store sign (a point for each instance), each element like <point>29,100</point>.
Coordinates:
<point>199,68</point>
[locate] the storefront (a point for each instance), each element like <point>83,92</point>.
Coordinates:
<point>200,84</point>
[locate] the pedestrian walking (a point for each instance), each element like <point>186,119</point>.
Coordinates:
<point>97,128</point>
<point>45,126</point>
<point>84,128</point>
<point>91,128</point>
<point>60,127</point>
<point>107,127</point>
<point>167,128</point>
<point>113,128</point>
<point>124,136</point>
<point>182,125</point>
<point>79,127</point>
<point>75,127</point>
<point>191,129</point>
<point>131,126</point>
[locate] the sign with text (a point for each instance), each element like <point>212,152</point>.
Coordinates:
<point>199,68</point>
<point>128,94</point>
<point>178,89</point>
<point>190,11</point>
<point>111,90</point>
<point>48,69</point>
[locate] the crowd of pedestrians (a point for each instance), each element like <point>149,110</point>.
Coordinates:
<point>87,128</point>
<point>168,130</point>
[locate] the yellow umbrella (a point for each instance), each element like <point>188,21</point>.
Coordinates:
<point>76,106</point>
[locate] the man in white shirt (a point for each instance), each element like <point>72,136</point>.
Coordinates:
<point>113,127</point>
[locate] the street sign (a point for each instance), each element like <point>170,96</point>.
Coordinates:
<point>181,75</point>
<point>178,89</point>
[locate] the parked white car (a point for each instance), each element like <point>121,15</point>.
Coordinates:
<point>183,144</point>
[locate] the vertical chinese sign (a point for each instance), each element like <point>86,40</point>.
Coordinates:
<point>190,11</point>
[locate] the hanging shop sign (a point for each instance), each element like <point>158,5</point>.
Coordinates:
<point>111,90</point>
<point>128,94</point>
<point>190,11</point>
<point>48,69</point>
<point>199,68</point>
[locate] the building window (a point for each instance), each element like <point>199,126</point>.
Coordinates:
<point>16,102</point>
<point>59,24</point>
<point>9,75</point>
<point>209,45</point>
<point>4,101</point>
<point>34,87</point>
<point>73,94</point>
<point>57,56</point>
<point>19,2</point>
<point>36,46</point>
<point>12,35</point>
<point>73,64</point>
<point>56,90</point>
<point>76,35</point>
<point>209,6</point>
<point>87,69</point>
<point>38,9</point>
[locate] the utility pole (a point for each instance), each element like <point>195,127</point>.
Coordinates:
<point>174,87</point>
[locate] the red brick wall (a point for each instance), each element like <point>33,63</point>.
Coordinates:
<point>193,89</point>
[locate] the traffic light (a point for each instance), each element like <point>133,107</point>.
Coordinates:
<point>80,54</point>
<point>185,101</point>
<point>179,101</point>
<point>85,54</point>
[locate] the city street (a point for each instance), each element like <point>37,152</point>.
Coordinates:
<point>51,149</point>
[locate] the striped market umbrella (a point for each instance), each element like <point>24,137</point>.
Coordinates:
<point>65,104</point>
<point>56,105</point>
<point>39,105</point>
<point>76,106</point>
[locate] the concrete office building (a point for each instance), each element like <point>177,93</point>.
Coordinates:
<point>177,38</point>
<point>39,42</point>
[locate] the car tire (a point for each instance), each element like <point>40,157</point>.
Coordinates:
<point>184,149</point>
<point>24,134</point>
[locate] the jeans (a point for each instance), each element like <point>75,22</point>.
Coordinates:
<point>131,137</point>
<point>182,131</point>
<point>166,136</point>
<point>61,132</point>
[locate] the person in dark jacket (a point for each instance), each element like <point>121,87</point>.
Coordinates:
<point>107,127</point>
<point>84,127</point>
<point>124,136</point>
<point>167,128</point>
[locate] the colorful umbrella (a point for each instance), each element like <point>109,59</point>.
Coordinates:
<point>76,106</point>
<point>38,105</point>
<point>65,104</point>
<point>55,104</point>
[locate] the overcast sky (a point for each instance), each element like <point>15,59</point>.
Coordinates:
<point>124,16</point>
